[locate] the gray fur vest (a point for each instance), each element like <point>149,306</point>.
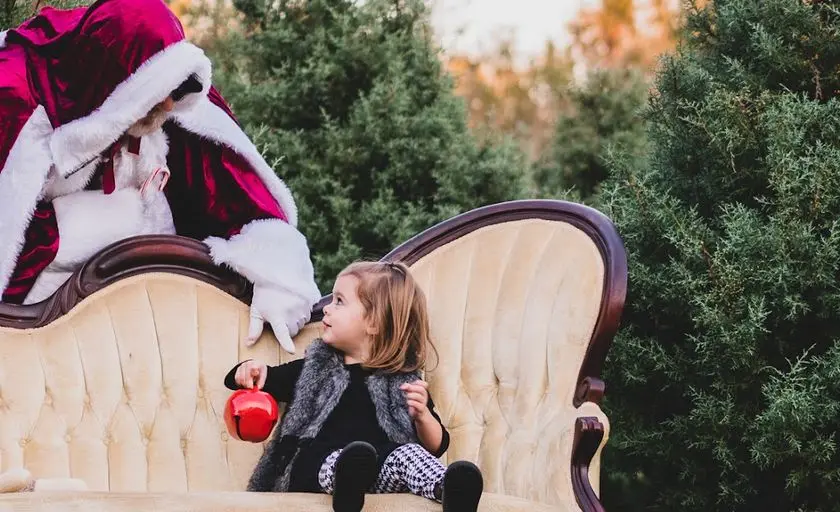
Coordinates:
<point>322,381</point>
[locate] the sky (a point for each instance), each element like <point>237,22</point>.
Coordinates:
<point>475,26</point>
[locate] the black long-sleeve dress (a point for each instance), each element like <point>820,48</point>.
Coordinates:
<point>353,419</point>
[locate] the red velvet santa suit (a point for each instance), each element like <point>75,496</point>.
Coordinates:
<point>71,83</point>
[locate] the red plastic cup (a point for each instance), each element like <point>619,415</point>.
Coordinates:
<point>250,415</point>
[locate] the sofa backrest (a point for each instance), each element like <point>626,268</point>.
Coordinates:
<point>524,299</point>
<point>117,379</point>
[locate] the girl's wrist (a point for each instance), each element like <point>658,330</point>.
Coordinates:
<point>423,417</point>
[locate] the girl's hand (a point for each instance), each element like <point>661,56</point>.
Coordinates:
<point>251,373</point>
<point>417,398</point>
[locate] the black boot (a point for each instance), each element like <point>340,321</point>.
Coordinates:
<point>355,473</point>
<point>462,487</point>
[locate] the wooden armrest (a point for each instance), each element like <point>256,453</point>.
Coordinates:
<point>589,431</point>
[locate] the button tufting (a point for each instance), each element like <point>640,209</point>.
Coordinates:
<point>200,393</point>
<point>67,438</point>
<point>22,442</point>
<point>225,436</point>
<point>184,444</point>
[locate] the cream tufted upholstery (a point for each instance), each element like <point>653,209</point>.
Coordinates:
<point>513,307</point>
<point>125,391</point>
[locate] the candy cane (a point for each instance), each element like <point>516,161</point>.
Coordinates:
<point>160,170</point>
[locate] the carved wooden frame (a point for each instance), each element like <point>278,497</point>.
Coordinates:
<point>129,257</point>
<point>189,257</point>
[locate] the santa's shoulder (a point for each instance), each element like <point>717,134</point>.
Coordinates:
<point>16,99</point>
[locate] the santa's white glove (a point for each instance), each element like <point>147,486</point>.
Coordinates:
<point>286,312</point>
<point>273,256</point>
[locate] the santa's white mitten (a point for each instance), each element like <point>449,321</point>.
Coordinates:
<point>273,256</point>
<point>285,311</point>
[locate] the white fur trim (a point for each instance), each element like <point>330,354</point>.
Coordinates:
<point>157,214</point>
<point>21,181</point>
<point>131,171</point>
<point>3,39</point>
<point>116,216</point>
<point>209,121</point>
<point>269,252</point>
<point>89,221</point>
<point>57,186</point>
<point>83,139</point>
<point>48,281</point>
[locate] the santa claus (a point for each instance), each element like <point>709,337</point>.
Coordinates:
<point>109,128</point>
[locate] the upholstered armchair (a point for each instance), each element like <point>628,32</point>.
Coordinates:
<point>116,380</point>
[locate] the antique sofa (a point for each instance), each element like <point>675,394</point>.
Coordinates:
<point>117,379</point>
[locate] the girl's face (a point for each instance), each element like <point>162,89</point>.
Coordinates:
<point>345,326</point>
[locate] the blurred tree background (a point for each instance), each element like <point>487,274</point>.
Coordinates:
<point>13,12</point>
<point>567,110</point>
<point>714,157</point>
<point>349,102</point>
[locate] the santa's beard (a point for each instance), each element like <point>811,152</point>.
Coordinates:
<point>153,122</point>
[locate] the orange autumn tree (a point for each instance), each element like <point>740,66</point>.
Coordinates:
<point>616,46</point>
<point>206,22</point>
<point>625,33</point>
<point>569,106</point>
<point>503,98</point>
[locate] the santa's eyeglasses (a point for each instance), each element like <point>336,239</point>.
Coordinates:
<point>188,86</point>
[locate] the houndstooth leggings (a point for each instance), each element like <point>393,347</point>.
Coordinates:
<point>408,468</point>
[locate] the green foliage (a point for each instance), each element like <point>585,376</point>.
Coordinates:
<point>604,116</point>
<point>348,101</point>
<point>15,12</point>
<point>723,382</point>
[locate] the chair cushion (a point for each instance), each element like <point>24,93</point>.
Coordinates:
<point>125,391</point>
<point>513,307</point>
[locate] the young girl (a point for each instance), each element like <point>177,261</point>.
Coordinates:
<point>359,418</point>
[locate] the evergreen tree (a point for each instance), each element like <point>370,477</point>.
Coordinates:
<point>14,12</point>
<point>349,103</point>
<point>723,384</point>
<point>604,115</point>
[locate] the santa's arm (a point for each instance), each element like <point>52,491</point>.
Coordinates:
<point>28,233</point>
<point>40,246</point>
<point>274,256</point>
<point>217,196</point>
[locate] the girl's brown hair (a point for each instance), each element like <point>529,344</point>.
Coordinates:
<point>396,306</point>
